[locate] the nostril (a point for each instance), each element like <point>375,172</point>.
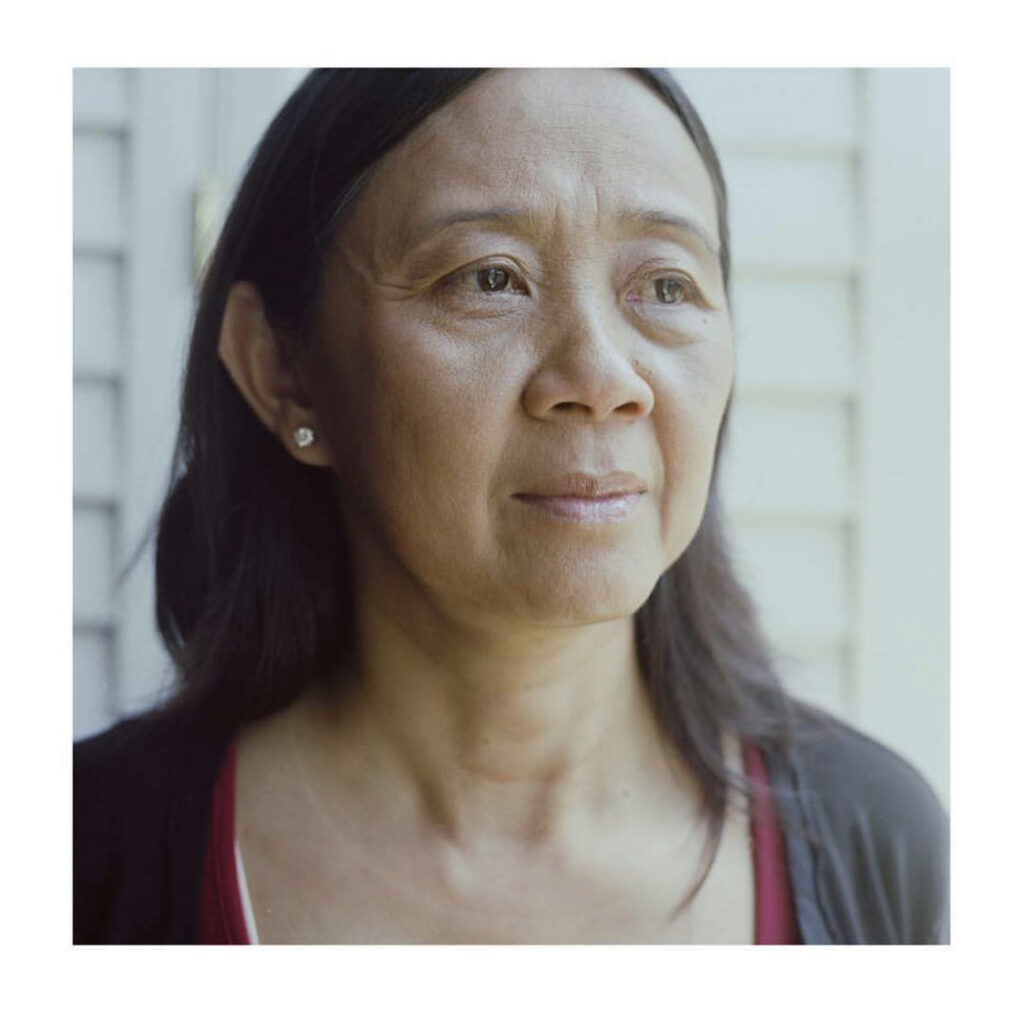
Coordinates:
<point>631,409</point>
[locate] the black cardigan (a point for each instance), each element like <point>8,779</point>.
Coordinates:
<point>867,841</point>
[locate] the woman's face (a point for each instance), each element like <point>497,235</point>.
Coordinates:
<point>524,350</point>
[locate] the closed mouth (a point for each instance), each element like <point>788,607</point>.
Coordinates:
<point>585,509</point>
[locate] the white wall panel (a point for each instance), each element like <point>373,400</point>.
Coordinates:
<point>93,689</point>
<point>797,573</point>
<point>95,439</point>
<point>775,107</point>
<point>169,110</point>
<point>794,335</point>
<point>247,100</point>
<point>818,677</point>
<point>101,113</point>
<point>93,571</point>
<point>786,456</point>
<point>791,214</point>
<point>101,97</point>
<point>904,505</point>
<point>97,314</point>
<point>98,190</point>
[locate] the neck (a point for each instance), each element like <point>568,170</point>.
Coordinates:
<point>482,735</point>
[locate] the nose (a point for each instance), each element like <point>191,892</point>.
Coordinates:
<point>587,371</point>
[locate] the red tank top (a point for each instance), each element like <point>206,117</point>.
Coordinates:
<point>223,920</point>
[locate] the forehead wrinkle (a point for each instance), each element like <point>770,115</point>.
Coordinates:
<point>522,219</point>
<point>599,149</point>
<point>533,223</point>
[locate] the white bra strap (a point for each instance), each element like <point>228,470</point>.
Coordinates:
<point>243,893</point>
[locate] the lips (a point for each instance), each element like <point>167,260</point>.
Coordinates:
<point>586,497</point>
<point>579,484</point>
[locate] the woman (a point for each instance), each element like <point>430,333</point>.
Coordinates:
<point>462,655</point>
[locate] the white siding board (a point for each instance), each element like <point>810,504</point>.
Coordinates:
<point>775,107</point>
<point>93,568</point>
<point>97,315</point>
<point>93,692</point>
<point>100,98</point>
<point>792,213</point>
<point>786,457</point>
<point>819,678</point>
<point>167,140</point>
<point>798,576</point>
<point>794,335</point>
<point>247,100</point>
<point>904,504</point>
<point>99,188</point>
<point>95,409</point>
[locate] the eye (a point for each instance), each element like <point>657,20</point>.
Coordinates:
<point>487,289</point>
<point>669,290</point>
<point>493,279</point>
<point>488,279</point>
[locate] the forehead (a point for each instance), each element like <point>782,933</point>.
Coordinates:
<point>547,142</point>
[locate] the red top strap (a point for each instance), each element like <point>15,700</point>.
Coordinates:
<point>773,902</point>
<point>223,919</point>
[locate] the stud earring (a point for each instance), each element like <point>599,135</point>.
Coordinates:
<point>303,436</point>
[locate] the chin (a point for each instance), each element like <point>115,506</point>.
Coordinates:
<point>565,602</point>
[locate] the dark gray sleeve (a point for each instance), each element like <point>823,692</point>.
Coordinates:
<point>869,861</point>
<point>141,798</point>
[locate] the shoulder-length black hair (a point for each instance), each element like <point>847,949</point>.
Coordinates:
<point>253,589</point>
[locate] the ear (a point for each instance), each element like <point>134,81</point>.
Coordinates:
<point>252,355</point>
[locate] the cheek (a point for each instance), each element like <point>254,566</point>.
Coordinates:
<point>418,420</point>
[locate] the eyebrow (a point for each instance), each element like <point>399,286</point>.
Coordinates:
<point>644,219</point>
<point>438,224</point>
<point>655,220</point>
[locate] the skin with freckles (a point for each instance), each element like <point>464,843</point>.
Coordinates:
<point>527,288</point>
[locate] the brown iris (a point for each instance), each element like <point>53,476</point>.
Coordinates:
<point>493,279</point>
<point>669,290</point>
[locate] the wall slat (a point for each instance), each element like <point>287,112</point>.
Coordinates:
<point>791,107</point>
<point>93,690</point>
<point>95,440</point>
<point>790,213</point>
<point>99,221</point>
<point>794,334</point>
<point>93,571</point>
<point>818,677</point>
<point>788,456</point>
<point>798,576</point>
<point>101,98</point>
<point>97,315</point>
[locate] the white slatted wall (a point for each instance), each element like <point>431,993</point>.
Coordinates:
<point>815,200</point>
<point>101,214</point>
